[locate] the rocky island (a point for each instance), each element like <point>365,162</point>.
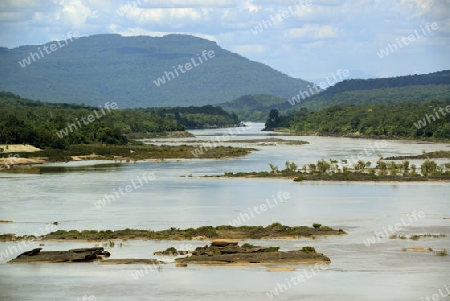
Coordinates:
<point>230,253</point>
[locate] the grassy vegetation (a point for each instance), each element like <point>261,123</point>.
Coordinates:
<point>309,249</point>
<point>331,171</point>
<point>417,236</point>
<point>441,253</point>
<point>135,152</point>
<point>210,232</point>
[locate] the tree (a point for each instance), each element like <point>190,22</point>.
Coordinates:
<point>273,120</point>
<point>273,168</point>
<point>429,168</point>
<point>323,166</point>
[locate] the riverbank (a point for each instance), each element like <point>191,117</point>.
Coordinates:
<point>127,153</point>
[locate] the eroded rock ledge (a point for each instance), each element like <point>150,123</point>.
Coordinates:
<point>218,253</point>
<point>230,253</point>
<point>74,255</point>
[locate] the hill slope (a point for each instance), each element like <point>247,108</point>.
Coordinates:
<point>382,90</point>
<point>417,88</point>
<point>425,120</point>
<point>109,67</point>
<point>59,125</point>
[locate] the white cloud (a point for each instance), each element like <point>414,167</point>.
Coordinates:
<point>313,32</point>
<point>353,29</point>
<point>249,49</point>
<point>74,12</point>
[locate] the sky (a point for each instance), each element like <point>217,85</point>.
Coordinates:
<point>308,39</point>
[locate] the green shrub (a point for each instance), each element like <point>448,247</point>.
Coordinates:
<point>224,227</point>
<point>207,231</point>
<point>441,253</point>
<point>309,249</point>
<point>171,250</point>
<point>326,228</point>
<point>317,226</point>
<point>247,246</point>
<point>272,249</point>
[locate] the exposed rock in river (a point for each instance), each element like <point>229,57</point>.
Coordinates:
<point>231,253</point>
<point>74,255</point>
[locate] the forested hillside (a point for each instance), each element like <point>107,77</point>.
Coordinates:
<point>412,120</point>
<point>415,88</point>
<point>198,117</point>
<point>139,71</point>
<point>59,125</point>
<point>382,90</point>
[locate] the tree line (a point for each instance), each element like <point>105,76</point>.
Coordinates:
<point>412,120</point>
<point>38,123</point>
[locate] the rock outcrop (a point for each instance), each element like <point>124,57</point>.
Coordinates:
<point>74,255</point>
<point>232,253</point>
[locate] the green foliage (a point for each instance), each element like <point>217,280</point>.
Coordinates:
<point>291,166</point>
<point>416,88</point>
<point>326,228</point>
<point>273,168</point>
<point>207,231</point>
<point>171,250</point>
<point>276,224</point>
<point>197,117</point>
<point>309,249</point>
<point>317,226</point>
<point>224,227</point>
<point>429,168</point>
<point>247,246</point>
<point>323,166</point>
<point>40,124</point>
<point>272,249</point>
<point>276,121</point>
<point>394,120</point>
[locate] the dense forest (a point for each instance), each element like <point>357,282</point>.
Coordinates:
<point>412,120</point>
<point>198,117</point>
<point>59,125</point>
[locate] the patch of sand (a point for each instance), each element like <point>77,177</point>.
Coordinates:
<point>19,148</point>
<point>87,157</point>
<point>418,250</point>
<point>20,161</point>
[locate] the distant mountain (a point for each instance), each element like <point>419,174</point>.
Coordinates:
<point>354,74</point>
<point>255,107</point>
<point>417,88</point>
<point>399,89</point>
<point>138,72</point>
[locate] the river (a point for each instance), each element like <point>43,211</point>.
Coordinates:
<point>178,196</point>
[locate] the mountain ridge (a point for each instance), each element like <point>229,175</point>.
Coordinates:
<point>110,67</point>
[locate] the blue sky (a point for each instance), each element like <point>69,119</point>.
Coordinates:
<point>307,39</point>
